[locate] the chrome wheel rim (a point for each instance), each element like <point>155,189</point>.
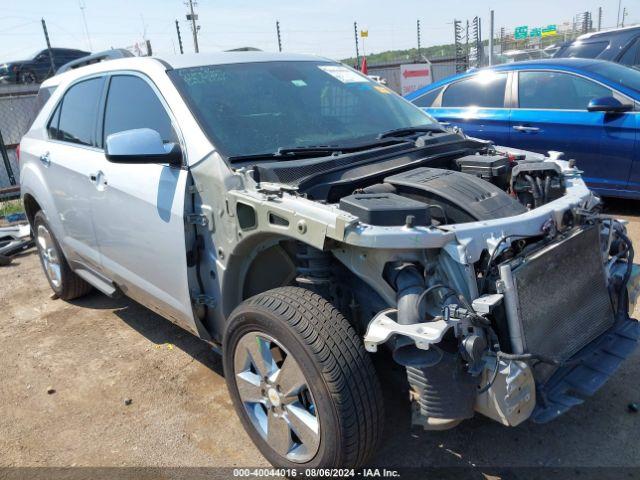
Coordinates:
<point>276,397</point>
<point>49,255</point>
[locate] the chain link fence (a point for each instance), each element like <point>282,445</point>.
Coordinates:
<point>17,107</point>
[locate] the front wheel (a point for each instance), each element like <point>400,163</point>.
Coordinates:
<point>303,385</point>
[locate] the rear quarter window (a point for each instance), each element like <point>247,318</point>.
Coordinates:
<point>44,94</point>
<point>584,50</point>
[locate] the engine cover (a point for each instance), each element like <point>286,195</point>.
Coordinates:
<point>464,197</point>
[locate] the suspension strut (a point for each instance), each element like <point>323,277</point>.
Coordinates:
<point>314,269</point>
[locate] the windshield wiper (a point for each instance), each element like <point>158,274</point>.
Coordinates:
<point>399,132</point>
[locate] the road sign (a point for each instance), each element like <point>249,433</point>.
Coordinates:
<point>535,32</point>
<point>549,31</point>
<point>520,33</point>
<point>414,76</point>
<point>364,33</point>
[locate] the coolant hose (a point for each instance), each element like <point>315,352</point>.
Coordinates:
<point>534,190</point>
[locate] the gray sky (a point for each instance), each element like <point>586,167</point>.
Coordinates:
<point>323,27</point>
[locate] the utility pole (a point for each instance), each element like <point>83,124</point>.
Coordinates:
<point>46,37</point>
<point>179,37</point>
<point>618,21</point>
<point>491,33</point>
<point>279,39</point>
<point>192,16</point>
<point>355,31</point>
<point>84,20</point>
<point>624,14</point>
<point>599,18</point>
<point>418,28</point>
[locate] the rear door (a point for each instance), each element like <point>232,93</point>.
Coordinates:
<point>552,115</point>
<point>477,105</point>
<point>69,159</point>
<point>139,210</point>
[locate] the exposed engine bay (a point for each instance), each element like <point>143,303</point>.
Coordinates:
<point>489,273</point>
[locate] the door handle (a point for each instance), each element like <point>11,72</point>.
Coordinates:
<point>45,159</point>
<point>445,124</point>
<point>98,178</point>
<point>522,128</point>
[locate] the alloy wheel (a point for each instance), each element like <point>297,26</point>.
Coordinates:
<point>276,397</point>
<point>50,256</point>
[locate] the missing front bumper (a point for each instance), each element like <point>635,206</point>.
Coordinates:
<point>587,371</point>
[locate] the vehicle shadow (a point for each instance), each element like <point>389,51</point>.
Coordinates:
<point>621,206</point>
<point>476,445</point>
<point>154,328</point>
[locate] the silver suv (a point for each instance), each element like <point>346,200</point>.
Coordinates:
<point>301,217</point>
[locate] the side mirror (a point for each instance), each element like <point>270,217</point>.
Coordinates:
<point>142,145</point>
<point>608,104</point>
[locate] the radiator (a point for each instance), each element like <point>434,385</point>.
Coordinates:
<point>557,299</point>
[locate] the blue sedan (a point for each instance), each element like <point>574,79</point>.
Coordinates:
<point>586,108</point>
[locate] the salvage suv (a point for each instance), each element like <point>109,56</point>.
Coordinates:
<point>301,217</point>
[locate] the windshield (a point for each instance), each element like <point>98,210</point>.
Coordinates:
<point>625,76</point>
<point>583,50</point>
<point>254,108</point>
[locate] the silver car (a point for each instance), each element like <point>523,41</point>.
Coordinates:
<point>306,220</point>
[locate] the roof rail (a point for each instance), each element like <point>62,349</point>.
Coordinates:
<point>95,58</point>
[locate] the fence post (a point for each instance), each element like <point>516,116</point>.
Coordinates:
<point>7,164</point>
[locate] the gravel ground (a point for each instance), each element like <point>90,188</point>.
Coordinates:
<point>94,353</point>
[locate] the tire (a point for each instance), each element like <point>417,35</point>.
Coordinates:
<point>65,284</point>
<point>28,77</point>
<point>341,394</point>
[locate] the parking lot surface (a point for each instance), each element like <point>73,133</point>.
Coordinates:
<point>101,382</point>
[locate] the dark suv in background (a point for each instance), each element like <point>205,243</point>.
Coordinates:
<point>38,67</point>
<point>621,46</point>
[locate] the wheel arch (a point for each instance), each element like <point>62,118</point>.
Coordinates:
<point>244,275</point>
<point>31,207</point>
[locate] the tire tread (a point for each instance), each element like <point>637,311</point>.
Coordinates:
<point>346,367</point>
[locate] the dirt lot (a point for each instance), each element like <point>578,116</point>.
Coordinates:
<point>97,352</point>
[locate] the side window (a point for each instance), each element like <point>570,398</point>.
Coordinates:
<point>78,112</point>
<point>52,128</point>
<point>557,91</point>
<point>131,104</point>
<point>485,89</point>
<point>631,56</point>
<point>426,100</point>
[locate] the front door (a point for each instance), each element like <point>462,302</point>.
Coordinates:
<point>139,216</point>
<point>552,115</point>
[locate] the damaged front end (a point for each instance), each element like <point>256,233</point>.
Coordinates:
<point>489,273</point>
<point>515,318</point>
